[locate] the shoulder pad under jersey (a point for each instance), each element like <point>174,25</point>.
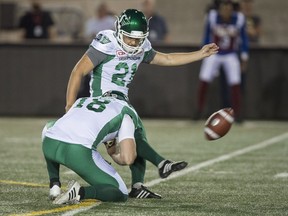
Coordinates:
<point>105,42</point>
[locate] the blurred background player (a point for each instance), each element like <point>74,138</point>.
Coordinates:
<point>253,21</point>
<point>253,29</point>
<point>104,19</point>
<point>158,29</point>
<point>226,28</point>
<point>73,141</point>
<point>37,23</point>
<point>114,58</point>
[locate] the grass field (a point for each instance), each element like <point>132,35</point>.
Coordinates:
<point>220,180</point>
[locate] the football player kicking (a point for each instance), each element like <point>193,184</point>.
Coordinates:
<point>114,57</point>
<point>73,140</point>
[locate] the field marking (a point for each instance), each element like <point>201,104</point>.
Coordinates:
<point>224,157</point>
<point>281,175</point>
<point>196,167</point>
<point>29,184</point>
<point>69,172</point>
<point>23,183</point>
<point>76,211</point>
<point>84,206</point>
<point>61,209</point>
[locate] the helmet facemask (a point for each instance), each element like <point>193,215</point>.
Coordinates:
<point>133,24</point>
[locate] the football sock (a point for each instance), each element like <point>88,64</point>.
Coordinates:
<point>53,169</point>
<point>49,148</point>
<point>144,150</point>
<point>236,99</point>
<point>203,86</point>
<point>138,170</point>
<point>137,185</point>
<point>55,181</point>
<point>224,90</point>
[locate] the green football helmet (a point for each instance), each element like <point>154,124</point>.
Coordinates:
<point>131,23</point>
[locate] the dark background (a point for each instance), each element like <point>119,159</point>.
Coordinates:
<point>34,76</point>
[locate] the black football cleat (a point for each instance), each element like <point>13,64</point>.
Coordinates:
<point>167,167</point>
<point>143,193</point>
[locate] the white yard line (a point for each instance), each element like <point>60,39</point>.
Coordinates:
<point>224,157</point>
<point>69,172</point>
<point>281,175</point>
<point>196,167</point>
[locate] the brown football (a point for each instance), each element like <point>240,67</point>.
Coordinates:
<point>218,124</point>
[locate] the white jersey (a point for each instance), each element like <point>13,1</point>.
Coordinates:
<point>118,69</point>
<point>91,121</point>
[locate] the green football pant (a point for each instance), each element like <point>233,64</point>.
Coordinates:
<point>144,152</point>
<point>106,184</point>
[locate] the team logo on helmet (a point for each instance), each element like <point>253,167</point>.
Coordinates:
<point>102,39</point>
<point>124,20</point>
<point>133,24</point>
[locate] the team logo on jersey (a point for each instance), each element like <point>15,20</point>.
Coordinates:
<point>120,53</point>
<point>125,56</point>
<point>102,39</point>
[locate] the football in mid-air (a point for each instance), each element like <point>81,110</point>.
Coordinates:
<point>219,123</point>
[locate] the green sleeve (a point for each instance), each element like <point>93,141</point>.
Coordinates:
<point>149,56</point>
<point>95,56</point>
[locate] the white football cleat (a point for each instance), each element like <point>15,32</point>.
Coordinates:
<point>54,192</point>
<point>71,196</point>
